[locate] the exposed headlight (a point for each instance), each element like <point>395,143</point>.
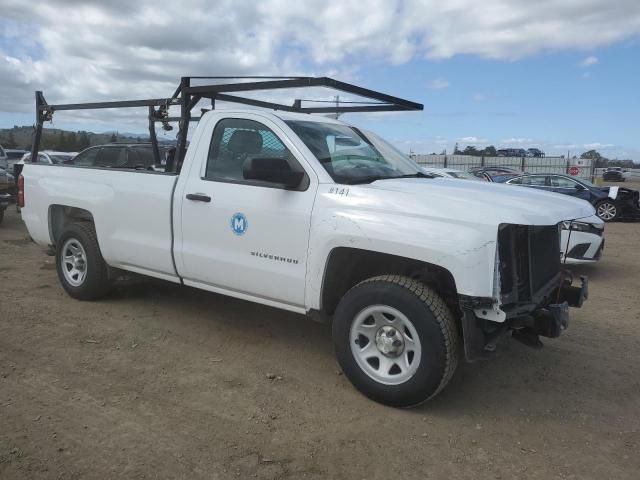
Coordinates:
<point>577,226</point>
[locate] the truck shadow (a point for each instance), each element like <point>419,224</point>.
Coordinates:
<point>573,369</point>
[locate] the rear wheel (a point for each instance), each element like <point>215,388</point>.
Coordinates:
<point>395,340</point>
<point>81,269</point>
<point>607,210</point>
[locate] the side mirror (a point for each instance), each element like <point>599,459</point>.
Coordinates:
<point>580,187</point>
<point>272,170</point>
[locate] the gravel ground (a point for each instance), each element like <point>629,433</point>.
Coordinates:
<point>159,381</point>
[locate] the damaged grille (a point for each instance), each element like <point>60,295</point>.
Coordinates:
<point>529,262</point>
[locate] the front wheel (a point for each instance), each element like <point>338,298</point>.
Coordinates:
<point>81,269</point>
<point>607,210</point>
<point>396,340</point>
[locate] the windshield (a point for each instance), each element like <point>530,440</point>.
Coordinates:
<point>585,182</point>
<point>464,175</point>
<point>350,156</point>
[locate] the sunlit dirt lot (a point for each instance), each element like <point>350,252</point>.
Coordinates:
<point>159,381</point>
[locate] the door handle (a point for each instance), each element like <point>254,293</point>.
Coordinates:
<point>198,197</point>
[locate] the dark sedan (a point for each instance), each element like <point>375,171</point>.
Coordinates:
<point>611,203</point>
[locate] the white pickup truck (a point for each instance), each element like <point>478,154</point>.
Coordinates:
<point>314,216</point>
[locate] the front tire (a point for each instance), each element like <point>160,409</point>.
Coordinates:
<point>81,269</point>
<point>396,340</point>
<point>607,210</point>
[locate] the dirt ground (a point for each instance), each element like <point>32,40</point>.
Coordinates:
<point>159,381</point>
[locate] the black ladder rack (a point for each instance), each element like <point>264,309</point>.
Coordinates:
<point>187,97</point>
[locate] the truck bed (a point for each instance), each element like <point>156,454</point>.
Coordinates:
<point>131,211</point>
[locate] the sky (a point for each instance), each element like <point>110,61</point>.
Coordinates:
<point>559,75</point>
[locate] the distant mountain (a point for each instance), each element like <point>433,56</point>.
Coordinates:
<point>65,140</point>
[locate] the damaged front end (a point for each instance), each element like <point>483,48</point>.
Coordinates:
<point>532,293</point>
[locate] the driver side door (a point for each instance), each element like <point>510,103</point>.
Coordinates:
<point>245,238</point>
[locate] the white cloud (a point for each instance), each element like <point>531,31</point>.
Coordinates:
<point>438,84</point>
<point>565,146</point>
<point>598,145</point>
<point>473,139</point>
<point>589,61</point>
<point>519,141</point>
<point>111,49</point>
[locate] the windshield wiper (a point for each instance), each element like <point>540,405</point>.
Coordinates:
<point>373,178</point>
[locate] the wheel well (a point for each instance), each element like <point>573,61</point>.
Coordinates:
<point>61,216</point>
<point>346,267</point>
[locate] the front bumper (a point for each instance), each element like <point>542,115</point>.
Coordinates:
<point>480,335</point>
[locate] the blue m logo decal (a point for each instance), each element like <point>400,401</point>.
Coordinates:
<point>239,224</point>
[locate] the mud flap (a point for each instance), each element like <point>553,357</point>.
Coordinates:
<point>477,342</point>
<point>473,337</point>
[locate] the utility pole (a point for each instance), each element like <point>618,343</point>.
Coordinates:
<point>337,99</point>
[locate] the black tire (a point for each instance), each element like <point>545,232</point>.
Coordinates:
<point>96,283</point>
<point>1,215</point>
<point>431,318</point>
<point>606,205</point>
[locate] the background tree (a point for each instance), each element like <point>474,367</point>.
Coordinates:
<point>490,151</point>
<point>114,138</point>
<point>456,150</point>
<point>61,142</point>
<point>83,141</point>
<point>592,154</point>
<point>470,150</point>
<point>72,142</point>
<point>11,141</point>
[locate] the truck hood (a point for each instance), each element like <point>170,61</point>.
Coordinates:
<point>474,202</point>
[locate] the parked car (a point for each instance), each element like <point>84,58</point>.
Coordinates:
<point>49,157</point>
<point>4,160</point>
<point>13,157</point>
<point>266,208</point>
<point>5,196</point>
<point>582,241</point>
<point>611,203</point>
<point>11,183</point>
<point>137,156</point>
<point>511,152</point>
<point>450,173</point>
<point>614,174</point>
<point>535,152</point>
